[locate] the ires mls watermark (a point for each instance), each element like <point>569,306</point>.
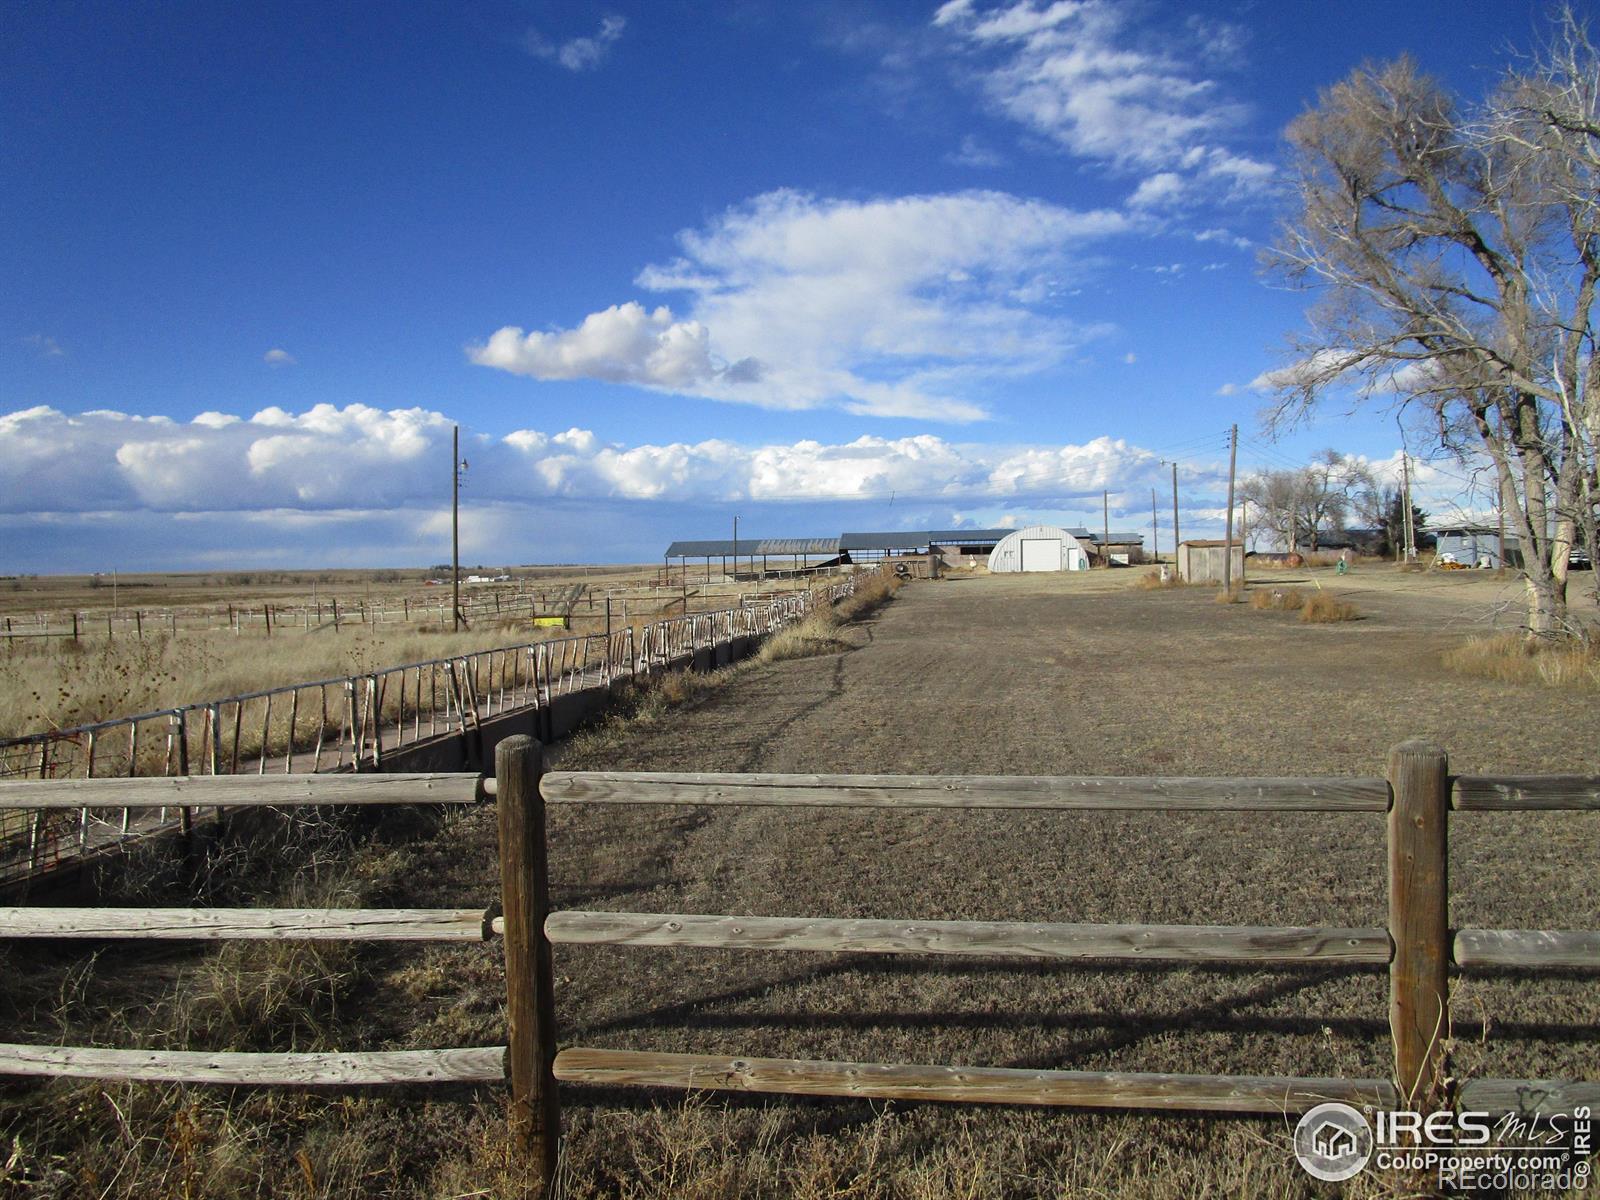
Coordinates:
<point>1465,1150</point>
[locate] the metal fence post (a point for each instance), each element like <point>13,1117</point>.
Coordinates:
<point>1419,1004</point>
<point>530,984</point>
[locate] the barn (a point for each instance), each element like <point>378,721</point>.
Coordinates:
<point>1039,548</point>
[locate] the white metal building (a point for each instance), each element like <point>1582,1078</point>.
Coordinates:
<point>1039,548</point>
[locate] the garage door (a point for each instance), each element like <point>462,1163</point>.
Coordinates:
<point>1041,554</point>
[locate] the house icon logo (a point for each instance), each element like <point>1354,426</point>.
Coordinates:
<point>1333,1142</point>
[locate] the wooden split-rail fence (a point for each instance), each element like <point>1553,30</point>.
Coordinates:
<point>1419,948</point>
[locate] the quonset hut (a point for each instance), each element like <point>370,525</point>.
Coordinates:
<point>1039,548</point>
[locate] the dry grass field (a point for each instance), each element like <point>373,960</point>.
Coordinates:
<point>61,684</point>
<point>1020,675</point>
<point>55,683</point>
<point>98,593</point>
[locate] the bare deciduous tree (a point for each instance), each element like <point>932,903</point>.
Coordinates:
<point>1309,501</point>
<point>1458,257</point>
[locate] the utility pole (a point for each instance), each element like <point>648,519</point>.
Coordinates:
<point>455,527</point>
<point>1244,537</point>
<point>1174,514</point>
<point>1227,549</point>
<point>1105,527</point>
<point>1500,517</point>
<point>1411,532</point>
<point>1155,530</point>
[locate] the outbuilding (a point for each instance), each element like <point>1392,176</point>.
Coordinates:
<point>1476,546</point>
<point>1039,548</point>
<point>1206,561</point>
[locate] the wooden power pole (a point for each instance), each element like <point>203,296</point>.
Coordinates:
<point>1174,514</point>
<point>1227,548</point>
<point>1411,532</point>
<point>1155,529</point>
<point>455,528</point>
<point>1105,527</point>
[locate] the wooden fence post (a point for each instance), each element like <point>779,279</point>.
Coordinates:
<point>1419,1005</point>
<point>530,985</point>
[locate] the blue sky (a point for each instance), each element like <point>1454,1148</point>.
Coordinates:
<point>827,266</point>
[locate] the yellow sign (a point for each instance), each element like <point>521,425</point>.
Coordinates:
<point>559,622</point>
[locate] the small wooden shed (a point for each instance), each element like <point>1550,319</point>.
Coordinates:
<point>1202,561</point>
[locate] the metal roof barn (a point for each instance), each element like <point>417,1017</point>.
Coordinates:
<point>920,539</point>
<point>782,547</point>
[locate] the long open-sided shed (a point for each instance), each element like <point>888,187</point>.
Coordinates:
<point>953,542</point>
<point>795,551</point>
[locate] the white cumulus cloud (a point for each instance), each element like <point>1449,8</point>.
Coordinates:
<point>335,459</point>
<point>625,343</point>
<point>278,358</point>
<point>887,307</point>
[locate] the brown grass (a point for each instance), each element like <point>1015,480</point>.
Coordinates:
<point>1278,599</point>
<point>1152,580</point>
<point>1233,595</point>
<point>1323,608</point>
<point>71,683</point>
<point>1516,658</point>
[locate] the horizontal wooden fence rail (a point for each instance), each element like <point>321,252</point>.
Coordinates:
<point>1514,793</point>
<point>971,1085</point>
<point>970,791</point>
<point>271,791</point>
<point>254,924</point>
<point>978,939</point>
<point>479,1064</point>
<point>1570,948</point>
<point>1526,1097</point>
